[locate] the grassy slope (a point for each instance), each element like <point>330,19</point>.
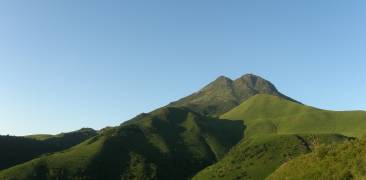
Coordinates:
<point>165,144</point>
<point>273,126</point>
<point>257,157</point>
<point>341,161</point>
<point>270,114</point>
<point>17,150</point>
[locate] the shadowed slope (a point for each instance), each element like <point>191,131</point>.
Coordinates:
<point>15,150</point>
<point>164,144</point>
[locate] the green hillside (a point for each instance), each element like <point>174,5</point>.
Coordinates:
<point>278,130</point>
<point>223,94</point>
<point>15,150</point>
<point>341,161</point>
<point>256,158</point>
<point>165,144</point>
<point>266,114</point>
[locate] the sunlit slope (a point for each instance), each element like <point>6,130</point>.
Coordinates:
<point>266,114</point>
<point>165,144</point>
<point>256,158</point>
<point>341,161</point>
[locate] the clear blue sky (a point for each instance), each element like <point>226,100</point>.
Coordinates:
<point>71,64</point>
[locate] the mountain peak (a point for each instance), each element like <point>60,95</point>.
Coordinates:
<point>223,94</point>
<point>221,78</point>
<point>247,77</point>
<point>222,82</point>
<point>250,77</point>
<point>255,82</point>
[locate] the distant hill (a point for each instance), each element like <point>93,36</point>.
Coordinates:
<point>15,150</point>
<point>40,136</point>
<point>224,94</point>
<point>164,144</point>
<point>66,140</point>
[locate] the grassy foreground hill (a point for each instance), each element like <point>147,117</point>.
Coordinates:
<point>15,150</point>
<point>165,144</point>
<point>341,161</point>
<point>257,157</point>
<point>278,130</point>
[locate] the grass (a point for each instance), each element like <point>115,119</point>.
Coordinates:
<point>266,114</point>
<point>259,156</point>
<point>341,161</point>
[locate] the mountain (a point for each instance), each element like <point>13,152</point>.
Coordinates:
<point>338,161</point>
<point>230,129</point>
<point>164,144</point>
<point>15,150</point>
<point>224,94</point>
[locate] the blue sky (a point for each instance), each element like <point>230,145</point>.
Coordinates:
<point>71,64</point>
